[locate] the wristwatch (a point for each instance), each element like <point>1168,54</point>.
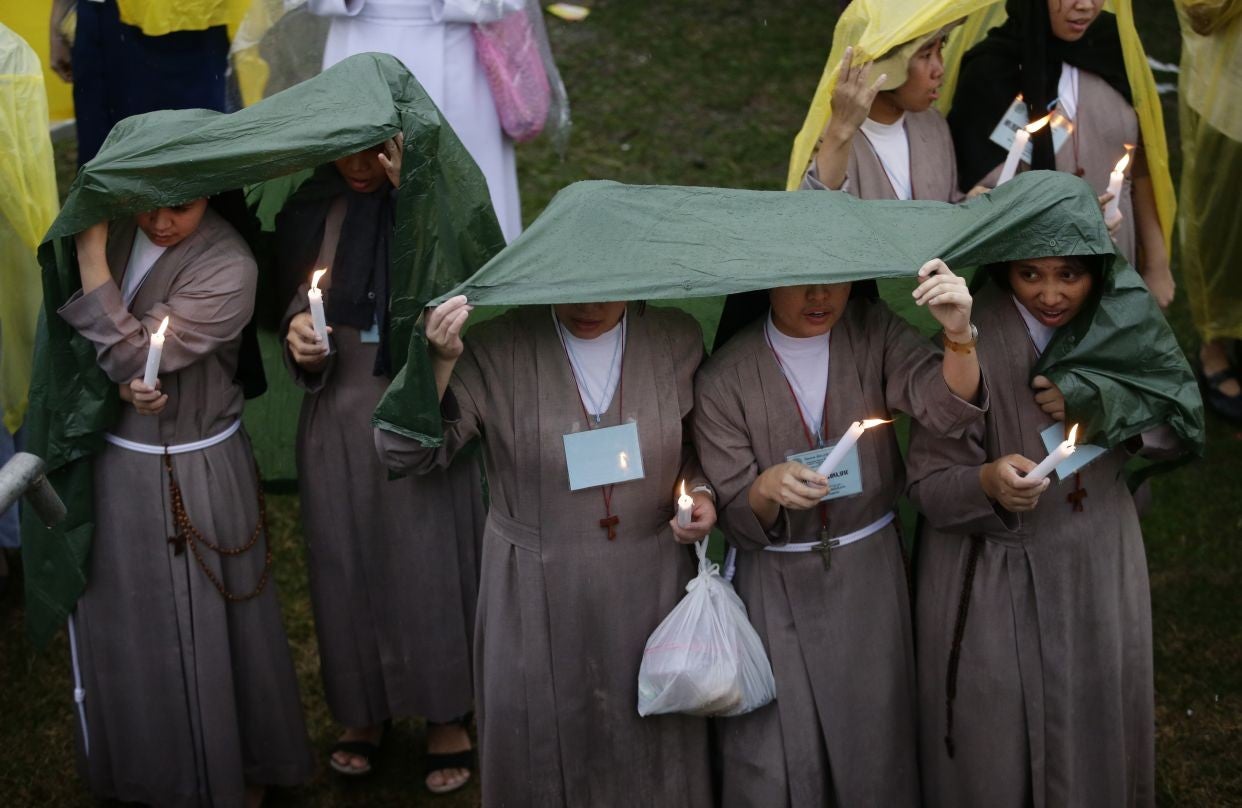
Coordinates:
<point>706,489</point>
<point>961,347</point>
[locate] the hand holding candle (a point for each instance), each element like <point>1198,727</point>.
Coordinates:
<point>696,515</point>
<point>846,443</point>
<point>1060,454</point>
<point>152,371</point>
<point>315,296</point>
<point>1116,178</point>
<point>685,507</point>
<point>1017,149</point>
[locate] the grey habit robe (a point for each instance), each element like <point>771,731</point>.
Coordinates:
<point>393,564</point>
<point>564,613</point>
<point>188,697</point>
<point>1104,125</point>
<point>933,164</point>
<point>1054,703</point>
<point>842,728</point>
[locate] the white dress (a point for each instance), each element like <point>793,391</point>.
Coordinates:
<point>433,39</point>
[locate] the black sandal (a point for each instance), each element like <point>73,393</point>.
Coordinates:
<point>1229,407</point>
<point>436,761</point>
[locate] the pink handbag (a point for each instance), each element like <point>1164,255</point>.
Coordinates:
<point>509,53</point>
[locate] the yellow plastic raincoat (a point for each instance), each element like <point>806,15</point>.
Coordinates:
<point>159,17</point>
<point>28,205</point>
<point>1209,90</point>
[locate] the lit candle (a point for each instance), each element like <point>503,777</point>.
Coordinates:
<point>315,295</point>
<point>685,504</point>
<point>1018,148</point>
<point>1112,210</point>
<point>846,443</point>
<point>153,356</point>
<point>1058,455</point>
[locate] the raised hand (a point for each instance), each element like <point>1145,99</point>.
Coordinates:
<point>946,297</point>
<point>390,158</point>
<point>852,97</point>
<point>444,325</point>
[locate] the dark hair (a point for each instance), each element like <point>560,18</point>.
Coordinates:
<point>1091,264</point>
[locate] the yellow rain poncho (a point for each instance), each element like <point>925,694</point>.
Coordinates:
<point>27,207</point>
<point>1209,90</point>
<point>874,27</point>
<point>159,17</point>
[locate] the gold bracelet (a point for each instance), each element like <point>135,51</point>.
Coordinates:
<point>961,347</point>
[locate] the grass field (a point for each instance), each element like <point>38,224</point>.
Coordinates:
<point>710,92</point>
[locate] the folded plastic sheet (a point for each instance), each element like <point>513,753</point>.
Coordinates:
<point>1118,363</point>
<point>445,230</point>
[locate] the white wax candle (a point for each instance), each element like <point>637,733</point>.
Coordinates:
<point>1020,139</point>
<point>846,443</point>
<point>315,295</point>
<point>152,371</point>
<point>1116,178</point>
<point>685,507</point>
<point>1058,455</point>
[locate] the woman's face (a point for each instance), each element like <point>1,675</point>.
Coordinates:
<point>808,311</point>
<point>363,171</point>
<point>1052,289</point>
<point>1071,18</point>
<point>168,226</point>
<point>924,75</point>
<point>589,320</point>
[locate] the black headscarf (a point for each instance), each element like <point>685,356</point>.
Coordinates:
<point>743,308</point>
<point>1022,56</point>
<point>357,287</point>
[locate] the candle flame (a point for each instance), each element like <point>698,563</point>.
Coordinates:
<point>1073,435</point>
<point>319,273</point>
<point>870,422</point>
<point>160,331</point>
<point>1032,128</point>
<point>1122,163</point>
<point>683,488</point>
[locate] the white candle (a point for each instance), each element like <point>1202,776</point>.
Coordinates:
<point>1116,178</point>
<point>685,506</point>
<point>846,443</point>
<point>1018,148</point>
<point>1058,455</point>
<point>315,295</point>
<point>152,371</point>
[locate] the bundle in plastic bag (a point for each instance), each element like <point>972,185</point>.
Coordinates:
<point>705,657</point>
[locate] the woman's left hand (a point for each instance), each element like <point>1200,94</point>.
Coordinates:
<point>1049,398</point>
<point>390,159</point>
<point>147,400</point>
<point>702,519</point>
<point>946,297</point>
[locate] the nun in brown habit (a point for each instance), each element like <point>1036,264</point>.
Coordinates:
<point>824,581</point>
<point>1034,615</point>
<point>393,563</point>
<point>574,582</point>
<point>190,693</point>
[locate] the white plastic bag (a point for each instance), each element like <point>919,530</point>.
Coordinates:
<point>705,657</point>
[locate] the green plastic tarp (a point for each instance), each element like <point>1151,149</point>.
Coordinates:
<point>445,230</point>
<point>1118,363</point>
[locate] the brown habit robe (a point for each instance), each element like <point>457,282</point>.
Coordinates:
<point>1103,127</point>
<point>842,728</point>
<point>393,564</point>
<point>564,613</point>
<point>1054,703</point>
<point>933,165</point>
<point>188,697</point>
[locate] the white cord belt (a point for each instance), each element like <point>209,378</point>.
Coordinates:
<point>180,448</point>
<point>809,546</point>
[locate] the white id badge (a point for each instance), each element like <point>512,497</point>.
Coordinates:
<point>843,481</point>
<point>371,336</point>
<point>1054,436</point>
<point>603,456</point>
<point>1015,118</point>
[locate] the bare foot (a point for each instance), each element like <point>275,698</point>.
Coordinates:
<point>1213,357</point>
<point>357,763</point>
<point>445,739</point>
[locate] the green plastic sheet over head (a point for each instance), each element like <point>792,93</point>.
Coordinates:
<point>445,230</point>
<point>1119,364</point>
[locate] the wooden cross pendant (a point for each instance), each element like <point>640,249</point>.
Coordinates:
<point>178,543</point>
<point>1076,496</point>
<point>824,548</point>
<point>609,523</point>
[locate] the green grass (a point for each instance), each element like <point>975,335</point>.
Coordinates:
<point>710,92</point>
